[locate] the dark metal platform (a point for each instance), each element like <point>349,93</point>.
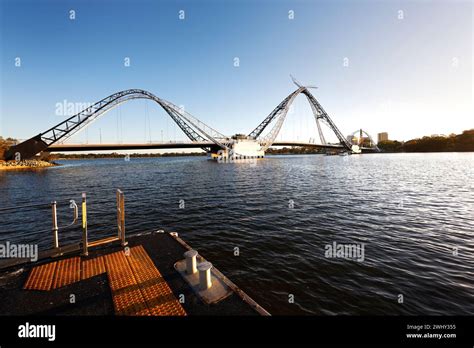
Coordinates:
<point>93,294</point>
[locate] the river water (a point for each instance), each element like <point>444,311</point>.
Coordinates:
<point>269,225</point>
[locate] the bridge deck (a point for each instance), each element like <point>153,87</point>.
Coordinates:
<point>146,146</point>
<point>137,287</point>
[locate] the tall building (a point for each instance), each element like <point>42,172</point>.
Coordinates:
<point>382,136</point>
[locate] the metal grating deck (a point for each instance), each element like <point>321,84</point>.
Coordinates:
<point>137,286</point>
<point>91,268</point>
<point>41,277</point>
<point>127,297</point>
<point>156,292</point>
<point>68,271</point>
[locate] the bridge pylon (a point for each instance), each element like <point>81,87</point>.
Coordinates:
<point>278,116</point>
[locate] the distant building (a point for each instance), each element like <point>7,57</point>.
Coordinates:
<point>382,137</point>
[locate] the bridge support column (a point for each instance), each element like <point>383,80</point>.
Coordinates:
<point>26,149</point>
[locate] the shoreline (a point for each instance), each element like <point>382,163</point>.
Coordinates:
<point>26,165</point>
<point>41,164</point>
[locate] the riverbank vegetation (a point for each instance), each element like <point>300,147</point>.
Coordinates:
<point>294,150</point>
<point>435,143</point>
<point>5,145</point>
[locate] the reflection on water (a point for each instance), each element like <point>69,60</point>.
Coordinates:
<point>412,212</point>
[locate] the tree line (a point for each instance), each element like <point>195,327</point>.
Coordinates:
<point>5,145</point>
<point>435,143</point>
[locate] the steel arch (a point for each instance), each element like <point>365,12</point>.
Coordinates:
<point>361,133</point>
<point>280,112</point>
<point>194,129</point>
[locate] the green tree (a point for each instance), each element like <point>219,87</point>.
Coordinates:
<point>390,146</point>
<point>465,141</point>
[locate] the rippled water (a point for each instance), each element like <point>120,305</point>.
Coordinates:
<point>413,212</point>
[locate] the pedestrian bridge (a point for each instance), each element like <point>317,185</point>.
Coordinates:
<point>200,134</point>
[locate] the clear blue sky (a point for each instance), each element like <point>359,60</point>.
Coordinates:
<point>410,77</point>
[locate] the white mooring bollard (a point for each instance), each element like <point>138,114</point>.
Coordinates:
<point>205,275</point>
<point>190,257</point>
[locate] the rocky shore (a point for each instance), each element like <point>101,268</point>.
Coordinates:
<point>26,164</point>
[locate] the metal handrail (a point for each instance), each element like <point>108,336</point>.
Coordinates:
<point>121,217</point>
<point>120,223</point>
<point>55,229</point>
<point>72,205</point>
